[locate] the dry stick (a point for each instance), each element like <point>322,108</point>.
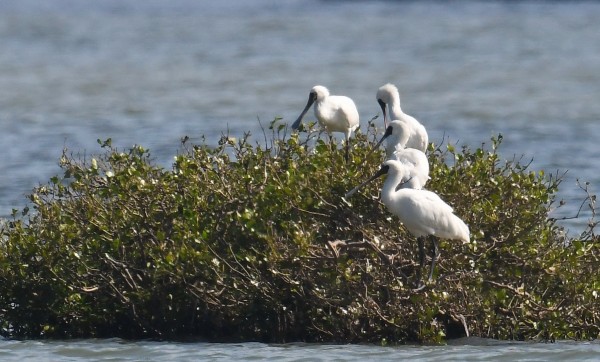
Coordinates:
<point>359,244</point>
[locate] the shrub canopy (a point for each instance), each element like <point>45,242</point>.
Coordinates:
<point>255,242</point>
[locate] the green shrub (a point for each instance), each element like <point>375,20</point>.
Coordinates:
<point>255,242</point>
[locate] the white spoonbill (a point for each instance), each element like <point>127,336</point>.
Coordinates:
<point>334,113</point>
<point>397,135</point>
<point>388,95</point>
<point>422,212</point>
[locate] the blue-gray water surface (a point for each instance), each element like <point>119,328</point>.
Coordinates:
<point>467,349</point>
<point>150,72</point>
<point>73,71</point>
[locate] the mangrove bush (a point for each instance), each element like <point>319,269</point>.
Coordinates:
<point>252,241</point>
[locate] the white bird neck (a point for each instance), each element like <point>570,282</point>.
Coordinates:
<point>394,107</point>
<point>388,191</point>
<point>397,140</point>
<point>390,148</point>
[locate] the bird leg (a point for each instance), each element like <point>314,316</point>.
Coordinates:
<point>330,138</point>
<point>421,243</point>
<point>347,155</point>
<point>434,257</point>
<point>332,146</point>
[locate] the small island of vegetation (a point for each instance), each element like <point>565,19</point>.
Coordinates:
<point>255,242</point>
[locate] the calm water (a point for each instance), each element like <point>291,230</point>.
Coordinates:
<point>73,71</point>
<point>471,349</point>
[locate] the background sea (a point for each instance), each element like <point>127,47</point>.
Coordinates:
<point>150,72</point>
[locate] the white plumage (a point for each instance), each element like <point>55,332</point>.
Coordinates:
<point>334,113</point>
<point>422,212</point>
<point>388,95</point>
<point>397,135</point>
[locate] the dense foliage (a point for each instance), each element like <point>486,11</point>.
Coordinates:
<point>255,242</point>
